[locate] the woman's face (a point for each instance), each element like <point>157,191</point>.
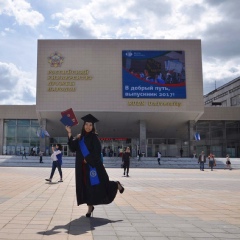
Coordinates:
<point>88,127</point>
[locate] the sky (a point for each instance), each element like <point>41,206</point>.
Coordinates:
<point>23,22</point>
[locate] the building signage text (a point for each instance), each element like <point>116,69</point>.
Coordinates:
<point>154,103</point>
<point>64,80</point>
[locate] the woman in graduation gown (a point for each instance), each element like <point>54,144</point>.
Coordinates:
<point>105,191</point>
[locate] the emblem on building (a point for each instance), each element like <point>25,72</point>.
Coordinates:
<point>129,54</point>
<point>55,59</point>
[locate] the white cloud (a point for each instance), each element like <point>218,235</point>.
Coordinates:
<point>137,19</point>
<point>217,72</point>
<point>17,87</point>
<point>23,13</point>
<point>215,22</point>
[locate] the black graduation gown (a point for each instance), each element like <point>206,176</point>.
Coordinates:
<point>103,193</point>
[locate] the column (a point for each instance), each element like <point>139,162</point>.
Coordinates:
<point>1,136</point>
<point>191,140</point>
<point>224,147</point>
<point>42,144</point>
<point>142,138</point>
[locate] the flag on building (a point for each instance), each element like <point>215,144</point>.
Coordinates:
<point>46,133</point>
<point>197,136</point>
<point>42,133</point>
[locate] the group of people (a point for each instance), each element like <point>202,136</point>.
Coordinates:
<point>202,158</point>
<point>93,186</point>
<point>24,154</point>
<point>171,77</point>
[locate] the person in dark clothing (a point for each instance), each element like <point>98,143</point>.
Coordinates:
<point>88,155</point>
<point>181,152</point>
<point>24,154</point>
<point>126,160</point>
<point>40,157</point>
<point>159,155</point>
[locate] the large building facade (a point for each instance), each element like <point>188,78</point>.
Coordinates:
<point>147,94</point>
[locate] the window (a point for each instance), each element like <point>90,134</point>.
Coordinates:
<point>34,123</point>
<point>20,133</point>
<point>224,103</point>
<point>204,124</point>
<point>23,122</point>
<point>159,141</point>
<point>171,141</point>
<point>149,141</point>
<point>232,124</point>
<point>204,133</point>
<point>217,133</point>
<point>232,133</point>
<point>217,124</point>
<point>23,131</point>
<point>10,141</point>
<point>235,100</point>
<point>10,122</point>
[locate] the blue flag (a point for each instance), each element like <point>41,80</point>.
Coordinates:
<point>197,136</point>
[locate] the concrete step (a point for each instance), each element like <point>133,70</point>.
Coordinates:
<point>115,162</point>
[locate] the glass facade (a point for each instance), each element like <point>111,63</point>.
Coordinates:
<point>20,134</point>
<point>219,137</point>
<point>168,147</point>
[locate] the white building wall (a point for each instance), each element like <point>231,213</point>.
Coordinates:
<point>224,94</point>
<point>103,61</point>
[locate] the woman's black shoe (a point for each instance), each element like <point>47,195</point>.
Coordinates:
<point>122,188</point>
<point>91,213</point>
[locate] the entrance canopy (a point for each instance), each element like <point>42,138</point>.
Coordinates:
<point>125,124</point>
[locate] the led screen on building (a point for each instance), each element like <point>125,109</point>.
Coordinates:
<point>153,74</point>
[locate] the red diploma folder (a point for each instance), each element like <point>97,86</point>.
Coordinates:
<point>70,114</point>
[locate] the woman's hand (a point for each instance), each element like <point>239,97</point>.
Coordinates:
<point>85,161</point>
<point>68,129</point>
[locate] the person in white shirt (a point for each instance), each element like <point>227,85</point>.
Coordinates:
<point>228,163</point>
<point>202,160</point>
<point>56,162</point>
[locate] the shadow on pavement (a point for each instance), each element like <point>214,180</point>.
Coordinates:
<point>79,226</point>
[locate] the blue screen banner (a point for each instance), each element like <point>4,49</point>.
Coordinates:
<point>153,74</point>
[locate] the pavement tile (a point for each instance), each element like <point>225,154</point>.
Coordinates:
<point>157,204</point>
<point>4,236</point>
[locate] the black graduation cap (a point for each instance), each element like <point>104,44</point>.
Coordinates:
<point>89,118</point>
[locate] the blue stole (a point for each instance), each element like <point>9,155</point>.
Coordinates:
<point>83,148</point>
<point>93,176</point>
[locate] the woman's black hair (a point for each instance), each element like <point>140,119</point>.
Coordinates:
<point>59,146</point>
<point>83,133</point>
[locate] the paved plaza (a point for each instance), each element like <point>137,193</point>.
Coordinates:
<point>158,204</point>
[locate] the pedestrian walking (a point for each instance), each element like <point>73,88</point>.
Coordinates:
<point>212,161</point>
<point>228,163</point>
<point>202,160</point>
<point>126,161</point>
<point>40,156</point>
<point>56,162</point>
<point>181,152</point>
<point>24,154</point>
<point>159,155</point>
